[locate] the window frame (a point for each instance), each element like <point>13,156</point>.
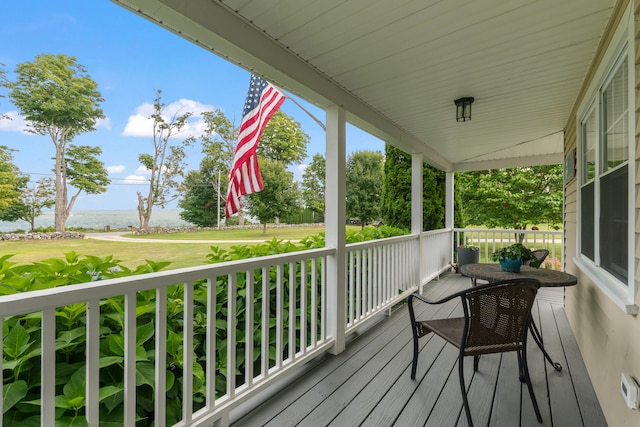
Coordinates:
<point>620,49</point>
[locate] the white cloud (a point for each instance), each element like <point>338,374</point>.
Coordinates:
<point>104,123</point>
<point>138,125</point>
<point>116,168</point>
<point>141,125</point>
<point>14,122</point>
<point>135,179</point>
<point>298,171</point>
<point>143,171</point>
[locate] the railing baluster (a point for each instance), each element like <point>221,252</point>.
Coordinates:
<point>130,359</point>
<point>279,315</point>
<point>48,367</point>
<point>93,362</point>
<point>264,357</point>
<point>248,328</point>
<point>292,312</point>
<point>378,281</point>
<point>314,309</point>
<point>323,300</point>
<point>160,346</point>
<point>358,284</point>
<point>303,306</point>
<point>351,279</point>
<point>232,292</point>
<point>187,352</point>
<point>370,279</point>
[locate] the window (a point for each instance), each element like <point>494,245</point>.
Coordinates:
<point>605,142</point>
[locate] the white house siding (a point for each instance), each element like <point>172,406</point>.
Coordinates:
<point>608,338</point>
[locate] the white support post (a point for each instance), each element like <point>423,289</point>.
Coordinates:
<point>335,225</point>
<point>416,211</point>
<point>449,206</point>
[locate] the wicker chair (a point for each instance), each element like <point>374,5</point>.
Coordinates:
<point>540,254</point>
<point>496,316</point>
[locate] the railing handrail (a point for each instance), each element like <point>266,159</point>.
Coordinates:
<point>509,230</point>
<point>380,242</point>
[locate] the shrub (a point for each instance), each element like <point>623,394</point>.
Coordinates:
<point>22,334</point>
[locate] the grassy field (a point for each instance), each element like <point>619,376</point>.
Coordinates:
<point>133,254</point>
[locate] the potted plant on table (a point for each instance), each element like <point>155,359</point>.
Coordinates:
<point>512,257</point>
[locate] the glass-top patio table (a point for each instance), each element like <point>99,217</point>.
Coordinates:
<point>548,278</point>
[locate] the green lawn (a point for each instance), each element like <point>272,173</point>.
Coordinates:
<point>133,254</point>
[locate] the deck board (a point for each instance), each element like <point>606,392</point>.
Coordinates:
<point>369,383</point>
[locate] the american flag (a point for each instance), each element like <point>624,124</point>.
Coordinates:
<point>262,101</point>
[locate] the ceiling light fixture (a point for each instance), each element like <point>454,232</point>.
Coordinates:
<point>463,109</point>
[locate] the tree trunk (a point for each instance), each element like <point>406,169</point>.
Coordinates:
<point>264,229</point>
<point>61,192</point>
<point>143,214</point>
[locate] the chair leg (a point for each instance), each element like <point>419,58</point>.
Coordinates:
<point>414,363</point>
<point>463,389</point>
<point>520,372</point>
<point>412,316</point>
<point>525,370</point>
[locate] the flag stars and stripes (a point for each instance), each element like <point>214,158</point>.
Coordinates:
<point>262,101</point>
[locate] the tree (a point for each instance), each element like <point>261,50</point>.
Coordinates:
<point>283,140</point>
<point>165,164</point>
<point>365,176</point>
<point>313,184</point>
<point>279,197</point>
<point>513,198</point>
<point>85,172</point>
<point>3,83</point>
<point>197,202</point>
<point>58,98</point>
<point>37,198</point>
<point>202,200</point>
<point>396,192</point>
<point>12,184</point>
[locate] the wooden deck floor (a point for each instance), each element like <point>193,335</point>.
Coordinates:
<point>369,384</point>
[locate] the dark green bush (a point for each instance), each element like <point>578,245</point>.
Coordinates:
<point>21,334</point>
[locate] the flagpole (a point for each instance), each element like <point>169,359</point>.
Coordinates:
<point>305,110</point>
<point>218,199</point>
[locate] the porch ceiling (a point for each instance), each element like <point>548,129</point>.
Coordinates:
<point>396,66</point>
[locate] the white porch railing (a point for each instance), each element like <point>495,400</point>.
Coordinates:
<point>437,250</point>
<point>490,240</point>
<point>283,296</point>
<point>379,274</point>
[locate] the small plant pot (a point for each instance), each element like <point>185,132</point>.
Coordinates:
<point>468,256</point>
<point>511,265</point>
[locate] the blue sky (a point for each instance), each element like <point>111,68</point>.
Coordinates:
<point>130,58</point>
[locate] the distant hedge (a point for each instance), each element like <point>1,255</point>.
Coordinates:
<point>42,236</point>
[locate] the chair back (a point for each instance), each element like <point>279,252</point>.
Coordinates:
<point>540,254</point>
<point>497,315</point>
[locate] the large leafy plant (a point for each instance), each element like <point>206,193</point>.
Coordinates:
<point>22,334</point>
